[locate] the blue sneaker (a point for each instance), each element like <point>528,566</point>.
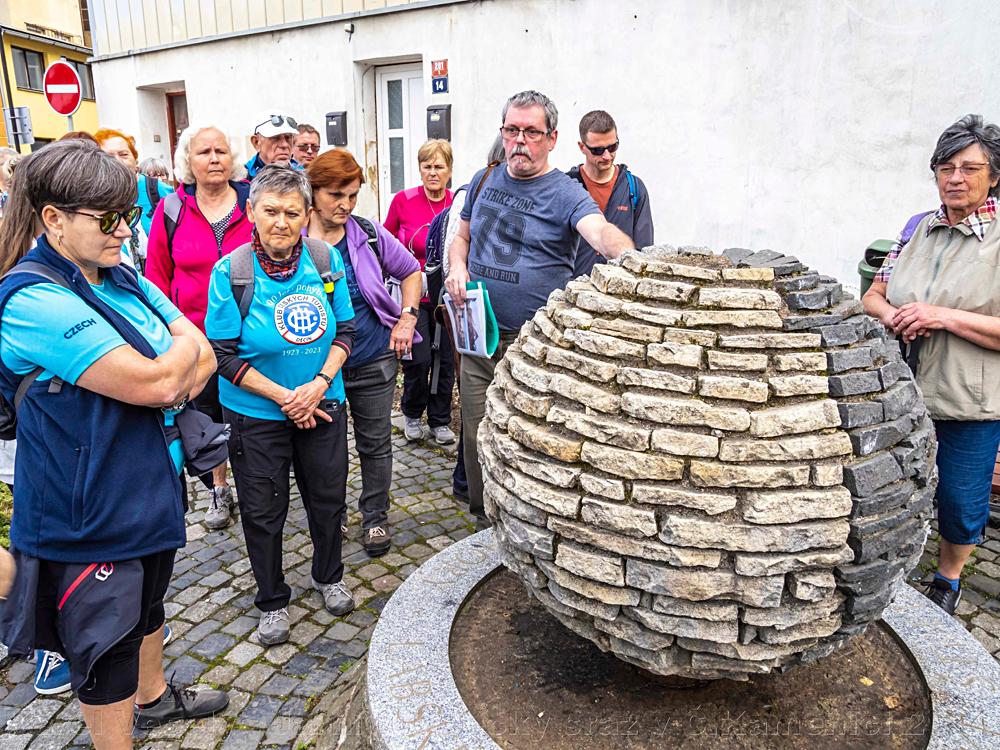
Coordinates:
<point>51,673</point>
<point>167,634</point>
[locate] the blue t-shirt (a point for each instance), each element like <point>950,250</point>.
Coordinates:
<point>162,189</point>
<point>371,337</point>
<point>287,333</point>
<point>524,238</point>
<point>45,325</point>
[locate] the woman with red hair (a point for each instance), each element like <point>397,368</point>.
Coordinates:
<point>384,331</point>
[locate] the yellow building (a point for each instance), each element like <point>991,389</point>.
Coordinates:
<point>33,35</point>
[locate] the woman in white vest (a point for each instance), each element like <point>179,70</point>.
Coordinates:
<point>939,292</point>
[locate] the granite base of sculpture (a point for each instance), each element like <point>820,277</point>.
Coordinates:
<point>710,465</point>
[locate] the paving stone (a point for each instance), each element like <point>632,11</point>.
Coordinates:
<point>283,729</point>
<point>280,685</point>
<point>244,653</point>
<point>243,739</point>
<point>221,674</point>
<point>254,677</point>
<point>214,645</point>
<point>21,695</point>
<point>260,711</point>
<point>9,741</point>
<point>35,715</point>
<point>205,734</point>
<point>293,707</point>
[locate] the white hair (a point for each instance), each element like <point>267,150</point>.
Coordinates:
<point>182,156</point>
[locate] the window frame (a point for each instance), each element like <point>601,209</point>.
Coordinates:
<point>25,51</point>
<point>86,76</point>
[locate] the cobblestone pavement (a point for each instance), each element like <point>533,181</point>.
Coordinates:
<point>277,695</point>
<point>274,693</point>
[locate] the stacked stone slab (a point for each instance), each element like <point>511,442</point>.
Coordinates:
<point>710,465</point>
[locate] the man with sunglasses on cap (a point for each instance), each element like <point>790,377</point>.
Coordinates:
<point>274,138</point>
<point>620,195</point>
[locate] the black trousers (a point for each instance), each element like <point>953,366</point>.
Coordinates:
<point>418,394</point>
<point>261,451</point>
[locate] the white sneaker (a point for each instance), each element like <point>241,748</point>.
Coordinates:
<point>413,430</point>
<point>273,627</point>
<point>443,435</point>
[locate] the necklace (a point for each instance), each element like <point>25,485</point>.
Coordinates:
<point>430,203</point>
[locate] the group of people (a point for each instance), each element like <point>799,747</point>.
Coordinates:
<point>260,301</point>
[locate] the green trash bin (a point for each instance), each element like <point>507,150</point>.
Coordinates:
<point>874,255</point>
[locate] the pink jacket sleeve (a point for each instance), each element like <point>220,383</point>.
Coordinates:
<point>159,264</point>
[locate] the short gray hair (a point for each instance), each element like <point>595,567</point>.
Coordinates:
<point>966,132</point>
<point>153,167</point>
<point>531,98</point>
<point>182,156</point>
<point>280,178</point>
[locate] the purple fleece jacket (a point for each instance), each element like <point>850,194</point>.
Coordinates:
<point>396,262</point>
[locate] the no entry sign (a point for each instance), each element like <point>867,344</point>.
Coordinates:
<point>62,88</point>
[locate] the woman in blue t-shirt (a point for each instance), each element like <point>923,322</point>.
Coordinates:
<point>100,356</point>
<point>281,332</point>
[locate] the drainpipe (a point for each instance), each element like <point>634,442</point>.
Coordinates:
<point>10,96</point>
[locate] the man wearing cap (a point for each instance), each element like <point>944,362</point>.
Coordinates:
<point>621,196</point>
<point>274,137</point>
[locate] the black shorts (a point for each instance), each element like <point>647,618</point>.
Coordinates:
<point>77,605</point>
<point>207,402</point>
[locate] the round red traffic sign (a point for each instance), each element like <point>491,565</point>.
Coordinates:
<point>62,88</point>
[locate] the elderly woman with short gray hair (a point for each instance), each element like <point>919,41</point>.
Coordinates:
<point>939,292</point>
<point>281,323</point>
<point>191,229</point>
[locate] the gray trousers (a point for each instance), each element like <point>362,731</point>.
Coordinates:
<point>477,374</point>
<point>369,390</point>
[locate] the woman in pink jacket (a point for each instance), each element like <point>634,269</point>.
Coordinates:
<point>204,220</point>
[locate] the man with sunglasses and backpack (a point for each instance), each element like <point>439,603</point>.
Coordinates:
<point>273,137</point>
<point>620,195</point>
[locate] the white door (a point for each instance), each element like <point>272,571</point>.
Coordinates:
<point>402,128</point>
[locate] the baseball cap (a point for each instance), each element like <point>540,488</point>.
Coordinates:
<point>271,123</point>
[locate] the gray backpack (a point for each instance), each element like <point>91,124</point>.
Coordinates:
<point>241,272</point>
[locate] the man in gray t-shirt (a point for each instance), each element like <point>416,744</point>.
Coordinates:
<point>519,235</point>
<point>525,238</point>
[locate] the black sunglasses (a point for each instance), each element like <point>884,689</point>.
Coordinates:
<point>277,121</point>
<point>599,150</point>
<point>110,219</point>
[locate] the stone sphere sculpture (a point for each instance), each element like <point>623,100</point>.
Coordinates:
<point>709,465</point>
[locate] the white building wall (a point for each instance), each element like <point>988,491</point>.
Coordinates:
<point>803,125</point>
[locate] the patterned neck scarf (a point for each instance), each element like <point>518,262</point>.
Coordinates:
<point>279,270</point>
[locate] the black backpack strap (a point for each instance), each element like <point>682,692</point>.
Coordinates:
<point>153,193</point>
<point>319,251</point>
<point>372,236</point>
<point>241,277</point>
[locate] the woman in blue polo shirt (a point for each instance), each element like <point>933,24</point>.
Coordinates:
<point>281,340</point>
<point>98,513</point>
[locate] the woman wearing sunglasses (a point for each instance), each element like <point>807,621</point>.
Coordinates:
<point>410,215</point>
<point>99,511</point>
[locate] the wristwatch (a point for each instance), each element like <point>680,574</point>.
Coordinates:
<point>411,310</point>
<point>327,378</point>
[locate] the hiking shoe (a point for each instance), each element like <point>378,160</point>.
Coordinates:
<point>219,508</point>
<point>376,541</point>
<point>273,627</point>
<point>943,595</point>
<point>181,703</point>
<point>413,429</point>
<point>167,634</point>
<point>336,597</point>
<point>443,435</point>
<point>51,673</point>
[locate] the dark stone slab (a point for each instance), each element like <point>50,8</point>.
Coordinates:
<point>260,711</point>
<point>868,440</point>
<point>859,413</point>
<point>862,478</point>
<point>737,254</point>
<point>841,334</point>
<point>811,299</point>
<point>869,547</point>
<point>898,400</point>
<point>855,383</point>
<point>796,283</point>
<point>890,497</point>
<point>839,360</point>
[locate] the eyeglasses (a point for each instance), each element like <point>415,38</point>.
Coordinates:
<point>308,147</point>
<point>599,150</point>
<point>510,133</point>
<point>947,170</point>
<point>110,219</point>
<point>278,121</point>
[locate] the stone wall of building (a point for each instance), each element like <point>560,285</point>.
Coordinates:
<point>710,465</point>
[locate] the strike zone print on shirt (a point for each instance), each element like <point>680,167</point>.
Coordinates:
<point>524,238</point>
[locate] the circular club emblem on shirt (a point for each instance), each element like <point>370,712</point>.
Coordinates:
<point>300,318</point>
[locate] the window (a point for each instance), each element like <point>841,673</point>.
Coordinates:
<point>29,68</point>
<point>86,79</point>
